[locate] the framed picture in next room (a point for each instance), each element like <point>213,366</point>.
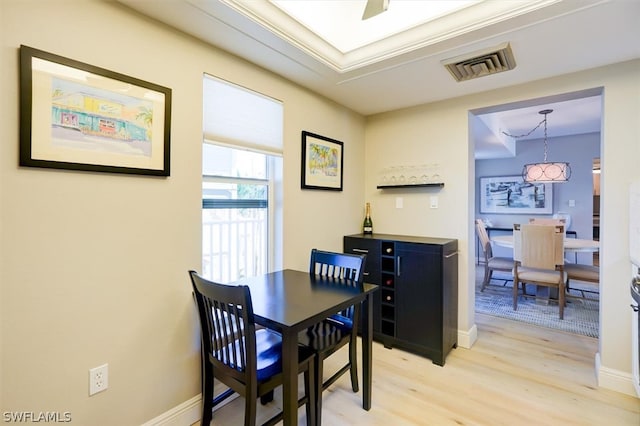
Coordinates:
<point>512,195</point>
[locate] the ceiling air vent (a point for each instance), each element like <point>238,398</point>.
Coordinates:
<point>478,64</point>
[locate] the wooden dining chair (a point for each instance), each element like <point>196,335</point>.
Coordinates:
<point>491,263</point>
<point>247,360</point>
<point>585,273</point>
<point>539,259</point>
<point>326,337</point>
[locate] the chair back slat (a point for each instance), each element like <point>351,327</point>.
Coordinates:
<point>346,269</point>
<point>228,337</point>
<point>228,325</point>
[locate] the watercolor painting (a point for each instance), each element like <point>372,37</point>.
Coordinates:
<point>80,117</point>
<point>84,117</point>
<point>322,162</point>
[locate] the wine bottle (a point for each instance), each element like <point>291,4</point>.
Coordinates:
<point>367,225</point>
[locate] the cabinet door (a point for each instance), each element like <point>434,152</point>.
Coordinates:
<point>371,273</point>
<point>419,294</point>
<point>372,249</point>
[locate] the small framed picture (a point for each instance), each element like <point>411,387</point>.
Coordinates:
<point>322,162</point>
<point>80,117</point>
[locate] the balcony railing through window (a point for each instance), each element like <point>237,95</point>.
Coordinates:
<point>235,243</point>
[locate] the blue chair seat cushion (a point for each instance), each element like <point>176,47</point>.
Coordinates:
<point>269,350</point>
<point>345,323</point>
<point>324,334</point>
<point>269,353</point>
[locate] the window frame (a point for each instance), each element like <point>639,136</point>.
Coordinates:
<point>274,239</point>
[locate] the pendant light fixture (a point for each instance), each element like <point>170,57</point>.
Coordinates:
<point>545,172</point>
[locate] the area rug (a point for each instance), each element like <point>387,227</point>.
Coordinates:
<point>581,315</point>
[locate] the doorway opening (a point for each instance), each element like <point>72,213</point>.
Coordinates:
<point>574,136</point>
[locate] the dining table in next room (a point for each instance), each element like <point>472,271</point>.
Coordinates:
<point>571,245</point>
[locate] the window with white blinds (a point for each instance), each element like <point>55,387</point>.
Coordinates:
<point>239,117</point>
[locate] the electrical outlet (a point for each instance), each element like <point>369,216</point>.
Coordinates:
<point>98,379</point>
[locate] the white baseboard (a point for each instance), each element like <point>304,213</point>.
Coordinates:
<point>466,339</point>
<point>615,380</point>
<point>184,414</point>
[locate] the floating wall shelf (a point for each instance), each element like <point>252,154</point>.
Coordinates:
<point>415,185</point>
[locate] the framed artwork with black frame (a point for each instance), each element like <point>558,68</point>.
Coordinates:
<point>81,117</point>
<point>511,194</point>
<point>322,161</point>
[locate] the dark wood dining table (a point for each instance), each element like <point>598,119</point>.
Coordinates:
<point>289,301</point>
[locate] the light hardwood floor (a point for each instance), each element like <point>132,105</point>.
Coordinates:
<point>515,374</point>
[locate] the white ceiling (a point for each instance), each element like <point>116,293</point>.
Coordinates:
<point>380,66</point>
<point>340,23</point>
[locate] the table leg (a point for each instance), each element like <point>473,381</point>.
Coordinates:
<point>367,341</point>
<point>290,378</point>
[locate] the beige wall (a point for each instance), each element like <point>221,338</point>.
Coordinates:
<point>93,267</point>
<point>439,132</point>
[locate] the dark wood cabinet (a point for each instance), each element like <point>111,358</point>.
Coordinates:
<point>416,308</point>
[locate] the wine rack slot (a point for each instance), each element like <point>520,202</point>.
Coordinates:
<point>388,328</point>
<point>387,280</point>
<point>388,312</point>
<point>387,296</point>
<point>388,264</point>
<point>387,249</point>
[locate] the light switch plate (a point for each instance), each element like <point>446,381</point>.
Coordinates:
<point>434,201</point>
<point>399,202</point>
